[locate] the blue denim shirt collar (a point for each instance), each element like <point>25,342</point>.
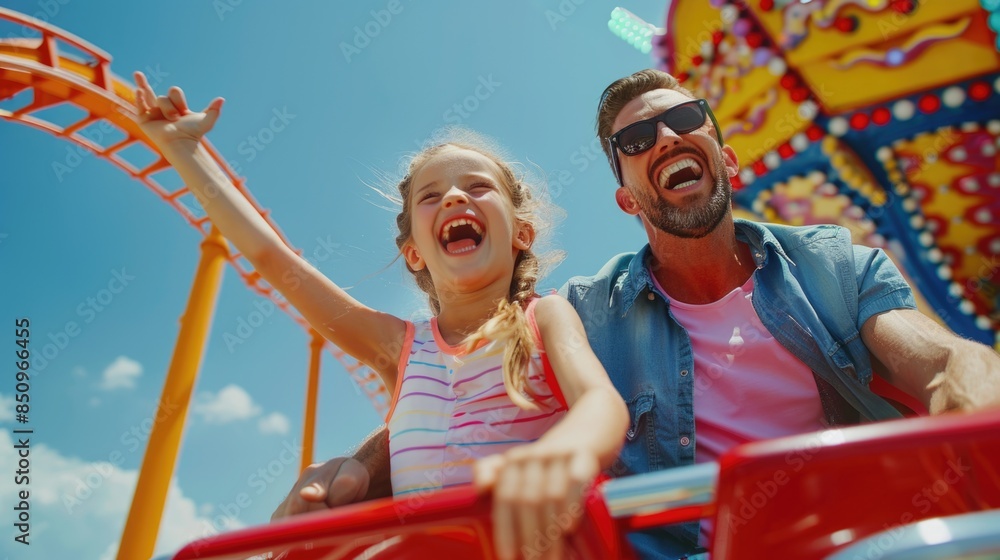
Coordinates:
<point>638,279</point>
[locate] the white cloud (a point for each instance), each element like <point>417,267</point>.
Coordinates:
<point>274,423</point>
<point>230,404</point>
<point>78,371</point>
<point>79,510</point>
<point>122,373</point>
<point>6,408</point>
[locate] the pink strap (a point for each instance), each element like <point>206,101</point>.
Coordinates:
<point>550,375</point>
<point>404,357</point>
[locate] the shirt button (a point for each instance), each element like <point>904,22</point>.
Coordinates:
<point>685,441</point>
<point>650,296</point>
<point>684,373</point>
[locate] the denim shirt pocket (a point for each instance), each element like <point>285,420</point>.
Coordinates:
<point>640,440</point>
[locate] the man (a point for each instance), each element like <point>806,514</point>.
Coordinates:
<point>731,329</point>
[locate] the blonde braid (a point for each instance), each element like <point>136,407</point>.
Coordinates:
<point>509,324</point>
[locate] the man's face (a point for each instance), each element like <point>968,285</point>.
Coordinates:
<point>681,185</point>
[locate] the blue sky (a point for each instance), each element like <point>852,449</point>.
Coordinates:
<point>76,230</point>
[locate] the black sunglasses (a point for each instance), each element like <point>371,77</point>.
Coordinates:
<point>641,136</point>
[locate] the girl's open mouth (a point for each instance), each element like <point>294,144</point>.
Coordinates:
<point>461,235</point>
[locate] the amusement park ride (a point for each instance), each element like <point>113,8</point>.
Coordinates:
<point>879,115</point>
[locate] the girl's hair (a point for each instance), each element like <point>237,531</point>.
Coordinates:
<point>508,325</point>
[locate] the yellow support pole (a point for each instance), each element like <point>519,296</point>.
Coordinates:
<point>312,388</point>
<point>143,524</point>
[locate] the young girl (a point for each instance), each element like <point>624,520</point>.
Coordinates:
<point>476,397</point>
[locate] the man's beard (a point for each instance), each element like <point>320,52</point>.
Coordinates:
<point>693,221</point>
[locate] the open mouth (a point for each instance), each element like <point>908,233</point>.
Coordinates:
<point>461,235</point>
<point>680,174</point>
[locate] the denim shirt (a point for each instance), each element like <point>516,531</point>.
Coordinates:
<point>813,290</point>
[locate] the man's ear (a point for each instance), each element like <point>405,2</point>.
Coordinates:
<point>626,201</point>
<point>412,256</point>
<point>525,236</point>
<point>730,160</point>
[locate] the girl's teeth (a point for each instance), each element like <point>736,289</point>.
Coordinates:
<point>446,235</point>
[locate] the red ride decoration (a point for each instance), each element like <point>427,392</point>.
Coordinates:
<point>929,103</point>
<point>717,37</point>
<point>696,60</point>
<point>767,5</point>
<point>814,133</point>
<point>682,77</point>
<point>754,39</point>
<point>859,121</point>
<point>786,151</point>
<point>800,94</point>
<point>903,6</point>
<point>881,116</point>
<point>759,168</point>
<point>788,81</point>
<point>979,91</point>
<point>846,24</point>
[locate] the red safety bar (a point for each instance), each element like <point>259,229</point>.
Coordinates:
<point>450,524</point>
<point>806,496</point>
<point>801,497</point>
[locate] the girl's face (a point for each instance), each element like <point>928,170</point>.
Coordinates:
<point>463,228</point>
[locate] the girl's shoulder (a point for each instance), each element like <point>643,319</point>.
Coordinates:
<point>543,309</point>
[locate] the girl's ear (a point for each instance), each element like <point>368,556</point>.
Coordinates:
<point>413,258</point>
<point>525,236</point>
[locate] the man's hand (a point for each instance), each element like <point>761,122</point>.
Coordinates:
<point>343,480</point>
<point>941,369</point>
<point>337,482</point>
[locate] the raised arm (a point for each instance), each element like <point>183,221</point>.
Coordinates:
<point>538,488</point>
<point>372,337</point>
<point>930,363</point>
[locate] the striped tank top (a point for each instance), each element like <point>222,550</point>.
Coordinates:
<point>451,408</point>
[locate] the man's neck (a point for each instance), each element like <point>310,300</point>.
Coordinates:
<point>702,270</point>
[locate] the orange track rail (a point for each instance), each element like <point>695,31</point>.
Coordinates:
<point>56,77</point>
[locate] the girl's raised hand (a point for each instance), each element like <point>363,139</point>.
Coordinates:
<point>167,119</point>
